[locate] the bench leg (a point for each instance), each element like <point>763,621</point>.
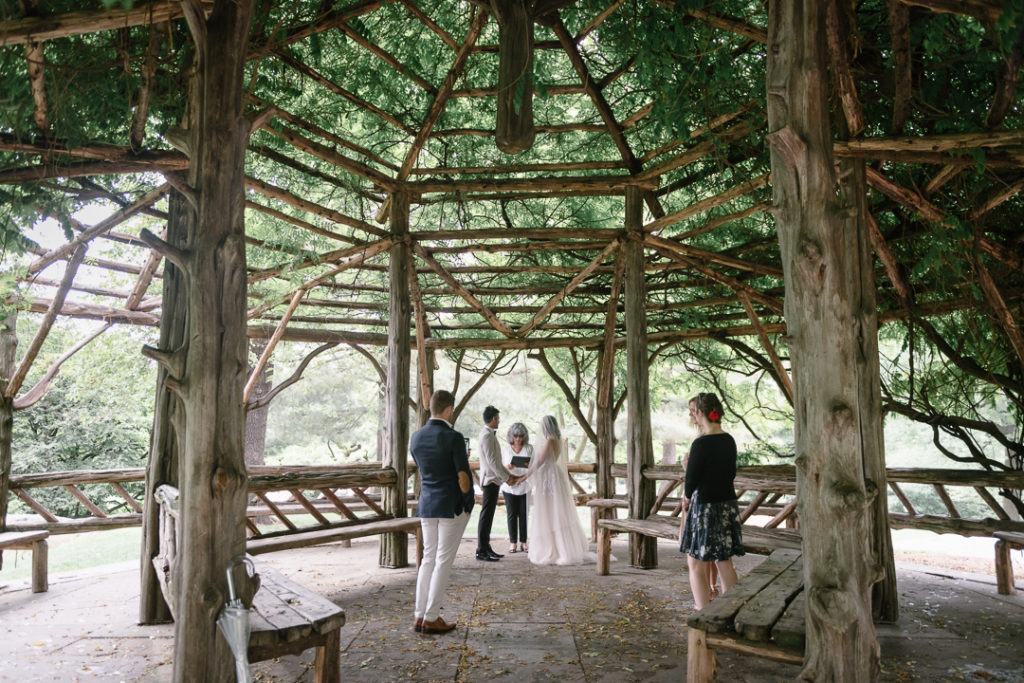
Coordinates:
<point>327,665</point>
<point>701,661</point>
<point>40,563</point>
<point>604,550</point>
<point>419,546</point>
<point>1004,569</point>
<point>593,524</point>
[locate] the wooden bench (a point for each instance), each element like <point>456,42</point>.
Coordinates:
<point>36,542</point>
<point>755,539</point>
<point>1006,541</point>
<point>285,619</point>
<point>763,614</point>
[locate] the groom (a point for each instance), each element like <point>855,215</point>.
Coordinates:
<point>492,475</point>
<point>446,499</point>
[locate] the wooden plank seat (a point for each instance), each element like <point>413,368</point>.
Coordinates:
<point>763,615</point>
<point>756,539</point>
<point>1005,542</point>
<point>300,539</point>
<point>37,543</point>
<point>285,617</point>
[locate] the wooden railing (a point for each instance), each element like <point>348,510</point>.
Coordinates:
<point>770,490</point>
<point>289,499</point>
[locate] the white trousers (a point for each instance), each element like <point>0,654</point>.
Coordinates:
<point>441,537</point>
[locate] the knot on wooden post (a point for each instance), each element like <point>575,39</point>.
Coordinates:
<point>812,262</point>
<point>833,608</point>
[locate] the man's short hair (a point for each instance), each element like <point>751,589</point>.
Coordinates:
<point>489,413</point>
<point>441,401</point>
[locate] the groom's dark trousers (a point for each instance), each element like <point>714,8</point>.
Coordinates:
<point>487,505</point>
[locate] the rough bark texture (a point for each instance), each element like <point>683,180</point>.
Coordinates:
<point>8,345</point>
<point>256,419</point>
<point>829,308</point>
<point>212,471</point>
<point>168,418</point>
<point>394,548</point>
<point>514,132</point>
<point>643,550</point>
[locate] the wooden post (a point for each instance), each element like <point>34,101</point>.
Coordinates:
<point>701,661</point>
<point>513,130</point>
<point>643,550</point>
<point>829,308</point>
<point>394,547</point>
<point>605,423</point>
<point>8,346</point>
<point>212,367</point>
<point>1004,569</point>
<point>168,416</point>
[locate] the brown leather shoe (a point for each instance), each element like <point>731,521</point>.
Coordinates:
<point>439,625</point>
<point>418,626</point>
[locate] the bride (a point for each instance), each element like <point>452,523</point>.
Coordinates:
<point>557,537</point>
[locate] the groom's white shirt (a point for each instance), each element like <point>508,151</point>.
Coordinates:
<point>491,469</point>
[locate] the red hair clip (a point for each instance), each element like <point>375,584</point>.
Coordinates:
<point>713,415</point>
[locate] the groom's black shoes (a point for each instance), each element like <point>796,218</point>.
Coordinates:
<point>486,557</point>
<point>495,555</point>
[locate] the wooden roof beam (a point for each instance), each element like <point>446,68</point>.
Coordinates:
<point>332,157</point>
<point>726,23</point>
<point>921,206</point>
<point>333,87</point>
<point>737,286</point>
<point>369,251</point>
<point>598,20</point>
<point>431,24</point>
<point>524,168</point>
<point>297,222</point>
<point>48,27</point>
<point>550,128</point>
<point>698,151</point>
<point>19,374</point>
<point>103,226</point>
<point>738,190</point>
<point>441,98</point>
<point>316,130</point>
<point>49,169</point>
<point>583,274</point>
<point>385,56</point>
<point>553,183</point>
<point>984,10</point>
<point>305,205</point>
<point>320,25</point>
<point>319,259</point>
<point>474,303</point>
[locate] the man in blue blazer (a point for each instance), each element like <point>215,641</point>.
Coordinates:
<point>446,499</point>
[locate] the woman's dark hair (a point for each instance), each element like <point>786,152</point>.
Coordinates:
<point>709,404</point>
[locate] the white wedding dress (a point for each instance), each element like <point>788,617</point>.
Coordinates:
<point>556,536</point>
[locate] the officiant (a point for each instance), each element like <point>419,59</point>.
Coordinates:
<point>515,456</point>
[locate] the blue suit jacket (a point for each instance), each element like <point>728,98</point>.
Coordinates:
<point>440,454</point>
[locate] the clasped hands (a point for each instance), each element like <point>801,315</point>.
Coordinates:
<point>513,479</point>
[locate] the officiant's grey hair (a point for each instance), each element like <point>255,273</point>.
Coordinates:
<point>549,427</point>
<point>518,429</point>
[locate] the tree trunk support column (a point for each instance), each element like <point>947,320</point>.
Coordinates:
<point>829,307</point>
<point>643,550</point>
<point>394,547</point>
<point>8,346</point>
<point>209,372</point>
<point>168,415</point>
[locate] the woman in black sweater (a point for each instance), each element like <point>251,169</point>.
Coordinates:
<point>712,531</point>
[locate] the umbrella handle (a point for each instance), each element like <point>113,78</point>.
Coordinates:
<point>250,569</point>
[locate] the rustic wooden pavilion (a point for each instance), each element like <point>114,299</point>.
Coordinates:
<point>509,176</point>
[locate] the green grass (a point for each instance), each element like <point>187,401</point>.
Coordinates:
<point>71,552</point>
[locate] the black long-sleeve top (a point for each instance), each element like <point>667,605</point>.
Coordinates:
<point>711,468</point>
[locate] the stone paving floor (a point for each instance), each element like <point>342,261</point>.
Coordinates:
<point>516,622</point>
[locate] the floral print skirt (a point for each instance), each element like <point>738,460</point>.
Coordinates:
<point>713,531</point>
